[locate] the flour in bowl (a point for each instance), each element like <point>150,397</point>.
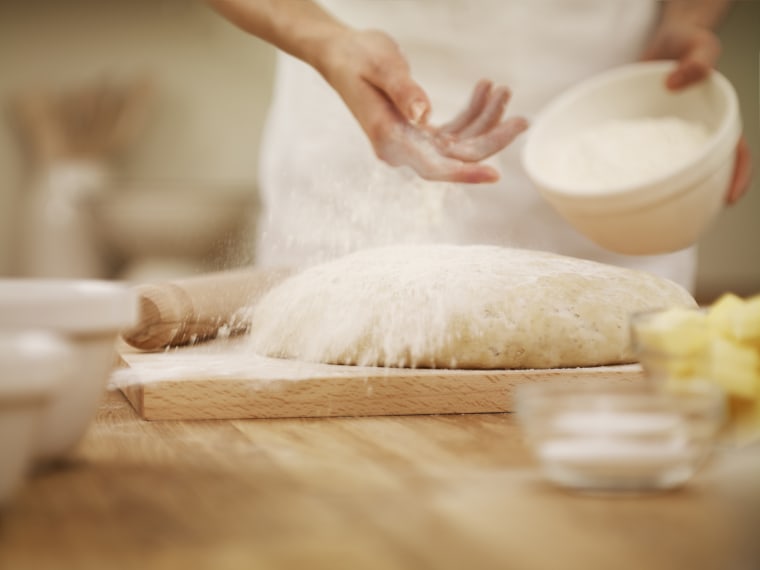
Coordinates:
<point>622,152</point>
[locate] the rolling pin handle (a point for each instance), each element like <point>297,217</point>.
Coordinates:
<point>196,309</point>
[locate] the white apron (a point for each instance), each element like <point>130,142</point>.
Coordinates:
<point>325,193</point>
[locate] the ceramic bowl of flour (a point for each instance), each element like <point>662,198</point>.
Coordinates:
<point>88,315</point>
<point>637,168</point>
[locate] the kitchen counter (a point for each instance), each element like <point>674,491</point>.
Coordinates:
<point>417,492</point>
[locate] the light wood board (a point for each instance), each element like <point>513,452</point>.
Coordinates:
<point>220,380</point>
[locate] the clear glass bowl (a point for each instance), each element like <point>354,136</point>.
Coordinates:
<point>619,437</point>
<point>685,357</point>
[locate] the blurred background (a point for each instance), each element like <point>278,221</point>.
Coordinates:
<point>129,139</point>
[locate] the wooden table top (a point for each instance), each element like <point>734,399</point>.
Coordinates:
<point>417,492</point>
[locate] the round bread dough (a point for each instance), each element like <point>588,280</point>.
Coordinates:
<point>451,306</point>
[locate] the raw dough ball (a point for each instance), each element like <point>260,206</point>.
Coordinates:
<point>449,306</point>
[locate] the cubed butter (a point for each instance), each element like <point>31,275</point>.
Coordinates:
<point>720,315</point>
<point>746,321</point>
<point>735,367</point>
<point>675,331</point>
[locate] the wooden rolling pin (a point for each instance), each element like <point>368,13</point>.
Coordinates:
<point>184,311</point>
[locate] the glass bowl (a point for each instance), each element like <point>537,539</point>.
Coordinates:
<point>669,352</point>
<point>619,437</point>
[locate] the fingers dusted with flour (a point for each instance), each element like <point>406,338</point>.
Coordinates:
<point>454,151</point>
<point>479,132</point>
<point>480,147</point>
<point>478,101</point>
<point>490,115</point>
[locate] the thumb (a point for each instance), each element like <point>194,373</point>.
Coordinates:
<point>405,94</point>
<point>394,79</point>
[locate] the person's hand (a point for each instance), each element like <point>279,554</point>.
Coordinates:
<point>742,173</point>
<point>697,49</point>
<point>372,76</point>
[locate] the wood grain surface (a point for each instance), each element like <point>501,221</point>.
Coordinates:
<point>415,492</point>
<point>222,380</point>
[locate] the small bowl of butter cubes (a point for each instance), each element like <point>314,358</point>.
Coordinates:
<point>718,344</point>
<point>700,391</point>
<point>637,168</point>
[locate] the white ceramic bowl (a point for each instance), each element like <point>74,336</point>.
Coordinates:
<point>666,211</point>
<point>157,222</point>
<point>33,365</point>
<point>89,314</point>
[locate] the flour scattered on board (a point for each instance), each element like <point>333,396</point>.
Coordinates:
<point>623,152</point>
<point>227,361</point>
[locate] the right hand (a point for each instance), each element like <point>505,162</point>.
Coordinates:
<point>372,76</point>
<point>697,50</point>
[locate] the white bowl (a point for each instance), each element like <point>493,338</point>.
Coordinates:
<point>161,223</point>
<point>665,211</point>
<point>33,365</point>
<point>89,314</point>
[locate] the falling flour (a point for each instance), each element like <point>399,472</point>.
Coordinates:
<point>342,209</point>
<point>624,152</point>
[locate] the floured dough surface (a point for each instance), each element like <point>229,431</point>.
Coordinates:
<point>450,306</point>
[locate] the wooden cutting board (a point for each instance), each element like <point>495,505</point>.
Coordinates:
<point>220,380</point>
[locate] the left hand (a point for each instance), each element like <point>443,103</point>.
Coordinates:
<point>372,76</point>
<point>697,50</point>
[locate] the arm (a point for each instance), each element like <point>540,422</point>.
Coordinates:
<point>367,69</point>
<point>299,27</point>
